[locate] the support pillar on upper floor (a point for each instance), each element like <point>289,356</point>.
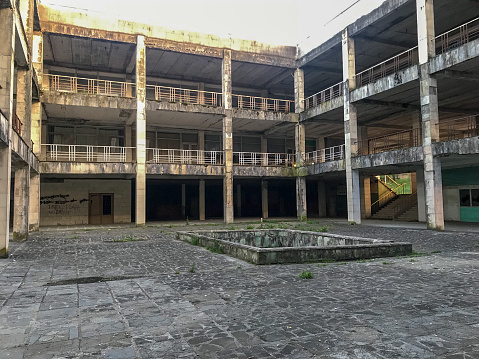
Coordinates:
<point>140,131</point>
<point>300,144</point>
<point>429,116</point>
<point>228,205</point>
<point>350,130</point>
<point>7,78</point>
<point>366,197</point>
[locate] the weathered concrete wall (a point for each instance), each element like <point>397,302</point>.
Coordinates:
<point>87,168</point>
<point>452,209</point>
<point>257,171</point>
<point>4,129</point>
<point>327,106</point>
<point>22,152</point>
<point>87,25</point>
<point>85,100</point>
<point>66,202</point>
<point>326,167</point>
<point>463,146</point>
<point>264,115</point>
<point>152,105</point>
<point>385,83</point>
<point>402,156</point>
<point>182,169</point>
<point>454,57</point>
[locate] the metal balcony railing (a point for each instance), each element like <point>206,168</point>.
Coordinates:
<point>195,157</point>
<point>89,86</point>
<point>457,37</point>
<point>84,153</point>
<point>17,124</point>
<point>262,159</point>
<point>394,141</point>
<point>388,67</point>
<point>263,103</point>
<point>186,96</point>
<point>459,128</point>
<point>325,155</point>
<point>324,96</point>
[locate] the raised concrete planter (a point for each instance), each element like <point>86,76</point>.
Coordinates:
<point>268,246</point>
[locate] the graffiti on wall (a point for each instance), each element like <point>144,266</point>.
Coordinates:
<point>61,204</point>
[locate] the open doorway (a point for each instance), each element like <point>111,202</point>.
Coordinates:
<point>100,208</point>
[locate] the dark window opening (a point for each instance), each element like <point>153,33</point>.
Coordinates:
<point>107,205</point>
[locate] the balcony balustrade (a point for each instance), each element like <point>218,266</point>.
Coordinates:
<point>394,141</point>
<point>262,159</point>
<point>325,155</point>
<point>85,153</point>
<point>263,103</point>
<point>324,96</point>
<point>192,157</point>
<point>457,37</point>
<point>186,96</point>
<point>89,86</point>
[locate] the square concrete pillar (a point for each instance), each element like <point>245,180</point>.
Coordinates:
<point>227,138</point>
<point>421,197</point>
<point>366,198</point>
<point>24,102</point>
<point>298,90</point>
<point>264,199</point>
<point>7,72</point>
<point>350,130</point>
<point>21,203</point>
<point>140,131</point>
<point>322,212</point>
<point>34,209</point>
<point>5,177</point>
<point>37,109</point>
<point>301,205</point>
<point>202,208</point>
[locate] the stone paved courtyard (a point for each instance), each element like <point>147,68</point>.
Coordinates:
<point>139,293</point>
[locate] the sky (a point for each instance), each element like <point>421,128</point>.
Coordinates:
<point>306,23</point>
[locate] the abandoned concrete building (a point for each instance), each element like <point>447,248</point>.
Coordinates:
<point>118,122</point>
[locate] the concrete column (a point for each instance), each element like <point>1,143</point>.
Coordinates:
<point>7,76</point>
<point>202,200</point>
<point>421,198</point>
<point>264,149</point>
<point>201,146</point>
<point>238,200</point>
<point>298,90</point>
<point>366,196</point>
<point>129,151</point>
<point>322,212</point>
<point>37,110</point>
<point>183,200</point>
<point>21,203</point>
<point>24,102</point>
<point>227,138</point>
<point>301,204</point>
<point>350,130</point>
<point>264,199</point>
<point>5,177</point>
<point>140,131</point>
<point>429,116</point>
<point>34,210</point>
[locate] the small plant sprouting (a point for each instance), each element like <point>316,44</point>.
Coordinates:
<point>192,268</point>
<point>386,263</point>
<point>215,249</point>
<point>417,254</point>
<point>187,221</point>
<point>306,275</point>
<point>250,227</point>
<point>177,272</point>
<point>74,237</point>
<point>231,228</point>
<point>195,241</point>
<point>323,229</point>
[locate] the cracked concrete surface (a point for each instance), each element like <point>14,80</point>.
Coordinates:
<point>104,293</point>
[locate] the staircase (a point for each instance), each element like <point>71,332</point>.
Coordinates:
<point>402,208</point>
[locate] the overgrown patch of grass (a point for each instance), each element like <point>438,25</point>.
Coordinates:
<point>74,237</point>
<point>306,275</point>
<point>215,249</point>
<point>322,229</point>
<point>386,263</point>
<point>177,272</point>
<point>192,268</point>
<point>250,226</point>
<point>417,254</point>
<point>195,241</point>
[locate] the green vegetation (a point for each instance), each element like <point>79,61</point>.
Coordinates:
<point>177,272</point>
<point>195,241</point>
<point>215,249</point>
<point>306,275</point>
<point>386,263</point>
<point>250,226</point>
<point>192,268</point>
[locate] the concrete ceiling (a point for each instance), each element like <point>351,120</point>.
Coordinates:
<point>383,39</point>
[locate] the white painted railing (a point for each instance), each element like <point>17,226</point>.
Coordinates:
<point>82,153</point>
<point>263,103</point>
<point>323,96</point>
<point>325,155</point>
<point>196,157</point>
<point>187,96</point>
<point>262,159</point>
<point>88,86</point>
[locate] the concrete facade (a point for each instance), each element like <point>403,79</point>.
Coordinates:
<point>222,127</point>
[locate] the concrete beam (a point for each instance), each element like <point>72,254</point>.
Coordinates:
<point>458,75</point>
<point>393,43</point>
<point>323,108</point>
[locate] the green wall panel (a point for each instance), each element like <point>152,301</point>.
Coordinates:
<point>467,176</point>
<point>469,214</point>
